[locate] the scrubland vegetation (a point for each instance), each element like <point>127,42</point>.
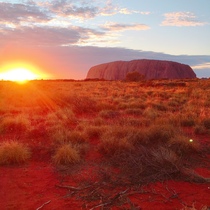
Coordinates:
<point>130,133</point>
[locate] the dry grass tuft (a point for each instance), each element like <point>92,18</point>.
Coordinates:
<point>62,135</point>
<point>66,154</point>
<point>115,140</point>
<point>206,123</point>
<point>183,145</point>
<point>18,124</point>
<point>13,152</point>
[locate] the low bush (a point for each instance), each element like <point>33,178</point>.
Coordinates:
<point>150,113</point>
<point>187,122</point>
<point>113,146</point>
<point>183,145</point>
<point>109,114</point>
<point>77,137</point>
<point>59,134</point>
<point>134,77</point>
<point>206,123</point>
<point>133,122</point>
<point>62,135</point>
<point>13,152</point>
<point>83,104</point>
<point>94,131</point>
<point>14,125</point>
<point>66,154</point>
<point>136,112</point>
<point>200,129</point>
<point>115,140</point>
<point>160,106</point>
<point>161,133</point>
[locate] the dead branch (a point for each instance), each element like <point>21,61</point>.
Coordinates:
<point>191,175</point>
<point>74,188</point>
<point>111,200</point>
<point>43,205</point>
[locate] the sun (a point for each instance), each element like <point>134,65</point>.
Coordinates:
<point>19,73</point>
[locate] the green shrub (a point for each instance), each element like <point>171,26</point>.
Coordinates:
<point>13,152</point>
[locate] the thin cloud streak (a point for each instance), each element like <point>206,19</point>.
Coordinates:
<point>181,19</point>
<point>124,27</point>
<point>202,66</point>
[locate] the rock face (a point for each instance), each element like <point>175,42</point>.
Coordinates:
<point>152,69</point>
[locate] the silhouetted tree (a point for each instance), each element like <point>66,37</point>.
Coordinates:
<point>134,76</point>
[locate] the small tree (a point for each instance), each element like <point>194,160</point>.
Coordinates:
<point>134,76</point>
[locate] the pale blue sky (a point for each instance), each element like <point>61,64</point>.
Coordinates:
<point>158,29</point>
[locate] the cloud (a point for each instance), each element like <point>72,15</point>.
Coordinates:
<point>126,11</point>
<point>201,66</point>
<point>123,27</point>
<point>54,36</point>
<point>17,13</point>
<point>74,10</point>
<point>181,19</point>
<point>82,9</point>
<point>40,36</point>
<point>51,23</point>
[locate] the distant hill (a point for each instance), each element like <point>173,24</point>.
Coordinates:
<point>152,69</point>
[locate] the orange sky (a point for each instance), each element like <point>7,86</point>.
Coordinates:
<point>66,38</point>
<point>28,56</point>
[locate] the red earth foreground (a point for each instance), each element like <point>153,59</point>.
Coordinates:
<point>36,186</point>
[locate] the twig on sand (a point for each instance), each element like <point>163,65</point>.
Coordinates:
<point>73,188</point>
<point>43,204</point>
<point>111,200</point>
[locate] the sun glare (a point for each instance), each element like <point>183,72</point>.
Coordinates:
<point>19,73</point>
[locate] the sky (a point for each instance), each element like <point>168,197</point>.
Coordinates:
<point>65,38</point>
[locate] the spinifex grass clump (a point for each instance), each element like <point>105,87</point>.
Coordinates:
<point>116,140</point>
<point>19,124</point>
<point>67,154</point>
<point>206,123</point>
<point>151,154</point>
<point>82,104</point>
<point>13,152</point>
<point>61,135</point>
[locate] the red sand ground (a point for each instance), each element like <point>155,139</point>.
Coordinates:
<point>29,187</point>
<point>35,186</point>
